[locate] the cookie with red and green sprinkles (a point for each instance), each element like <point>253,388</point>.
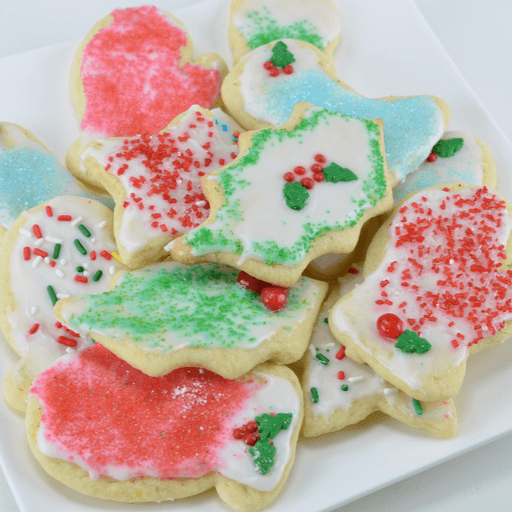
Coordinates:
<point>156,180</point>
<point>169,316</point>
<point>148,77</point>
<point>107,430</point>
<point>339,392</point>
<point>58,249</point>
<point>292,194</point>
<point>254,23</point>
<point>437,288</point>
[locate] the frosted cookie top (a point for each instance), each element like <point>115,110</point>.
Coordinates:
<point>264,21</point>
<point>29,175</point>
<point>161,175</point>
<point>136,75</point>
<point>181,425</point>
<point>60,250</point>
<point>437,291</point>
<point>290,187</point>
<point>412,125</point>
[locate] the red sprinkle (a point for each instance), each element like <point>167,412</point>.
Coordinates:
<point>49,210</point>
<point>341,353</point>
<point>37,231</point>
<point>93,255</point>
<point>341,375</point>
<point>40,252</point>
<point>33,329</point>
<point>81,279</point>
<point>106,255</point>
<point>63,340</point>
<point>26,253</point>
<point>64,218</point>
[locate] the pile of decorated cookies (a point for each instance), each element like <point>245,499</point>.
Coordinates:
<point>213,227</point>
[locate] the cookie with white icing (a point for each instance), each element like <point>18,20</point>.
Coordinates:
<point>437,288</point>
<point>60,248</point>
<point>254,23</point>
<point>29,174</point>
<point>156,180</point>
<point>169,316</point>
<point>134,73</point>
<point>339,392</point>
<point>266,84</point>
<point>107,430</point>
<point>292,194</point>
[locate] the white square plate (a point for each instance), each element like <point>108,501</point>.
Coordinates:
<point>386,49</point>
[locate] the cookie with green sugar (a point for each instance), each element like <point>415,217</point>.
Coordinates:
<point>260,94</point>
<point>170,316</point>
<point>292,194</point>
<point>254,23</point>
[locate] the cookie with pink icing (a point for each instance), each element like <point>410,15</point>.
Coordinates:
<point>107,430</point>
<point>60,248</point>
<point>293,194</point>
<point>437,288</point>
<point>263,88</point>
<point>156,180</point>
<point>134,72</point>
<point>339,391</point>
<point>254,23</point>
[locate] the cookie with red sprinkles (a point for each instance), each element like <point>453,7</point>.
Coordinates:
<point>155,180</point>
<point>133,73</point>
<point>167,437</point>
<point>438,287</point>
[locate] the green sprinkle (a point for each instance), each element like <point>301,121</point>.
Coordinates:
<point>326,320</point>
<point>52,294</point>
<point>335,173</point>
<point>281,56</point>
<point>448,147</point>
<point>56,251</point>
<point>409,342</point>
<point>295,195</point>
<point>344,387</point>
<point>418,408</point>
<point>97,276</point>
<point>324,360</point>
<point>84,230</point>
<point>80,247</point>
<point>80,269</point>
<point>315,397</point>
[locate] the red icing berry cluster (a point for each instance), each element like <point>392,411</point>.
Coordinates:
<point>248,433</point>
<point>274,71</point>
<point>308,177</point>
<point>272,296</point>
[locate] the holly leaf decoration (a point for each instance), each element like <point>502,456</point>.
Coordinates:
<point>334,173</point>
<point>410,342</point>
<point>263,453</point>
<point>281,56</point>
<point>448,147</point>
<point>269,426</point>
<point>295,195</point>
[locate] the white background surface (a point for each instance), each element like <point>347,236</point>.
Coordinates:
<point>478,38</point>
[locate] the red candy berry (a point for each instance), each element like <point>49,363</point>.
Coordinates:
<point>320,158</point>
<point>319,176</point>
<point>390,326</point>
<point>307,183</point>
<point>251,283</point>
<point>432,157</point>
<point>299,170</point>
<point>289,177</point>
<point>268,65</point>
<point>250,439</point>
<point>288,69</point>
<point>273,72</point>
<point>274,297</point>
<point>317,168</point>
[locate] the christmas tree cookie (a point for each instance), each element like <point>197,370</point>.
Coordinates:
<point>293,194</point>
<point>169,316</point>
<point>107,430</point>
<point>156,180</point>
<point>339,391</point>
<point>58,249</point>
<point>134,73</point>
<point>254,23</point>
<point>264,87</point>
<point>437,288</point>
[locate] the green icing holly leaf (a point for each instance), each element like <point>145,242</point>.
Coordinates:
<point>269,426</point>
<point>335,173</point>
<point>446,148</point>
<point>295,195</point>
<point>263,453</point>
<point>281,56</point>
<point>410,343</point>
